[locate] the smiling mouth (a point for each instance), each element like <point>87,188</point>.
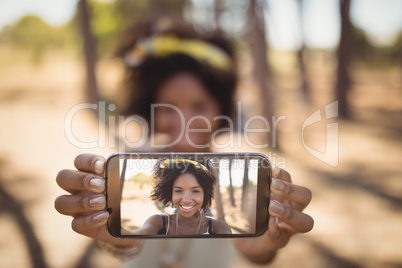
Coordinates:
<point>187,208</point>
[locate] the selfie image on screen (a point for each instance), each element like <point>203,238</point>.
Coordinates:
<point>188,197</point>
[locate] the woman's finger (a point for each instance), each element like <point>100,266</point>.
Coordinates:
<point>74,181</point>
<point>73,204</point>
<point>291,192</point>
<point>88,223</point>
<point>279,238</point>
<point>94,225</point>
<point>90,163</point>
<point>301,222</point>
<point>279,173</point>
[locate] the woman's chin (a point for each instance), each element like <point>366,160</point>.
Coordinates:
<point>187,212</point>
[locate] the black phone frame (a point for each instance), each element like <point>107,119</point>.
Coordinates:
<point>113,191</point>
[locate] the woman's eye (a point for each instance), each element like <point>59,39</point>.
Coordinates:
<point>177,191</point>
<point>200,107</point>
<point>196,191</point>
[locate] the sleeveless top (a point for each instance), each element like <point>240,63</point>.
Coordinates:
<point>164,230</point>
<point>187,253</point>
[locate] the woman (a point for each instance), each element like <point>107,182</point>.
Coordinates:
<point>182,74</point>
<point>188,186</point>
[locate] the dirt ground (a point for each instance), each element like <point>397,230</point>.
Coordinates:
<point>356,205</point>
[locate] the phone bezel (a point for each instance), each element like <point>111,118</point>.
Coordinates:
<point>113,191</point>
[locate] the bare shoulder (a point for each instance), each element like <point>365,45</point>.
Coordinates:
<point>152,225</point>
<point>220,227</point>
<point>155,220</point>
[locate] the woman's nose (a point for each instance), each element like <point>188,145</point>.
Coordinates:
<point>187,196</point>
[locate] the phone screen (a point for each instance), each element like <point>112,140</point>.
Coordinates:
<point>187,195</point>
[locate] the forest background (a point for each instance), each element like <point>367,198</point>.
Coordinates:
<point>45,70</point>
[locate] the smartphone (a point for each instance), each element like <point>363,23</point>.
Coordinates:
<point>148,195</point>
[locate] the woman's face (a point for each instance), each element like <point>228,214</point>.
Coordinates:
<point>197,109</point>
<point>187,195</point>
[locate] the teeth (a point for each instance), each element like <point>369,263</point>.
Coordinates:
<point>185,207</point>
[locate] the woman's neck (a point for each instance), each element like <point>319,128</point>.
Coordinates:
<point>188,227</point>
<point>187,220</point>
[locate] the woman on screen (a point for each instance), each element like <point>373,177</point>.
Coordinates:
<point>188,186</point>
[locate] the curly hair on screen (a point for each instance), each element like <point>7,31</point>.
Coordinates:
<point>165,177</point>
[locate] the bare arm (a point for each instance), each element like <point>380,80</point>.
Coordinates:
<point>152,226</point>
<point>286,219</point>
<point>220,227</point>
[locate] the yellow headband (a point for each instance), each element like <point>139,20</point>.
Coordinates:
<point>164,45</point>
<point>196,164</point>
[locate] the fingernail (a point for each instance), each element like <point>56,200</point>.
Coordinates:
<point>276,207</point>
<point>97,184</point>
<point>277,185</point>
<point>276,171</point>
<point>99,166</point>
<point>100,217</point>
<point>98,201</point>
<point>276,223</point>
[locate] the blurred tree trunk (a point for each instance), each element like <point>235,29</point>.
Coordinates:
<point>89,51</point>
<point>218,199</point>
<point>344,54</point>
<point>300,56</point>
<point>12,206</point>
<point>244,194</point>
<point>178,8</point>
<point>218,10</point>
<point>172,8</point>
<point>231,190</point>
<point>259,47</point>
<point>155,7</point>
<point>400,51</point>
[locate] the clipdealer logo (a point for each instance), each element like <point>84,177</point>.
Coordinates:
<point>330,155</point>
<point>148,128</point>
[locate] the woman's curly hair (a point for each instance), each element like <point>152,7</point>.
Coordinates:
<point>165,177</point>
<point>144,81</point>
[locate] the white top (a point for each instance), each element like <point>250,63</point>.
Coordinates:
<point>168,225</point>
<point>186,253</point>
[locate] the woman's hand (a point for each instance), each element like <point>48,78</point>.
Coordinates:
<point>286,219</point>
<point>86,202</point>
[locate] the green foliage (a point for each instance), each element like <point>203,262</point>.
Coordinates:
<point>106,23</point>
<point>33,34</point>
<point>131,11</point>
<point>107,19</point>
<point>33,31</point>
<point>141,179</point>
